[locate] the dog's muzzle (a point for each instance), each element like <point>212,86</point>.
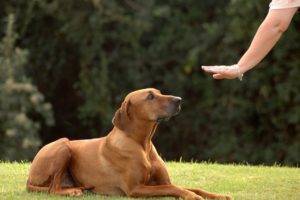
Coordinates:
<point>177,102</point>
<point>173,109</point>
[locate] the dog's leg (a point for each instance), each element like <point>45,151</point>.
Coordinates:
<point>210,195</point>
<point>60,166</point>
<point>163,190</point>
<point>161,177</point>
<point>33,188</point>
<point>65,191</point>
<point>159,172</point>
<point>48,168</point>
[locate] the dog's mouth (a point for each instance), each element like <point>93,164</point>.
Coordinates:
<point>162,119</point>
<point>177,111</point>
<point>167,118</point>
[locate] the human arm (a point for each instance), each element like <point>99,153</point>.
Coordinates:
<point>269,32</point>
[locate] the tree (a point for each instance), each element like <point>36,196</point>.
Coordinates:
<point>21,104</point>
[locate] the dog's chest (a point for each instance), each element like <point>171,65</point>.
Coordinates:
<point>144,170</point>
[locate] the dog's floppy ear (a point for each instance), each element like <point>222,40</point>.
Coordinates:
<point>122,116</point>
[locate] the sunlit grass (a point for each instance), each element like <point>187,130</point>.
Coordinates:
<point>239,181</point>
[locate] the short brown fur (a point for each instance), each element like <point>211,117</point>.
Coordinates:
<point>125,162</point>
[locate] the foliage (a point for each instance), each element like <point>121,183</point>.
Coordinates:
<point>86,55</point>
<point>20,103</point>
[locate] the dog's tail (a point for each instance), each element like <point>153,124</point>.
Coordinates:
<point>33,188</point>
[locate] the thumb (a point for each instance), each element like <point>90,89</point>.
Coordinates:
<point>218,76</point>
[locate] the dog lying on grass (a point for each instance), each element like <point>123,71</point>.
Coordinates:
<point>124,163</point>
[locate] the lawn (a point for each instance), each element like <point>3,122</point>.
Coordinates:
<point>239,181</point>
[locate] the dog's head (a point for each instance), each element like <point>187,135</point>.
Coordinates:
<point>147,105</point>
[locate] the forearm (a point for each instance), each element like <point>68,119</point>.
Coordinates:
<point>266,37</point>
<point>263,41</point>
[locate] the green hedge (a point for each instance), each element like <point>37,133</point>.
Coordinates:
<point>84,56</point>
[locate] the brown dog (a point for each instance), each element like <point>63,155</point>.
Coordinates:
<point>125,162</point>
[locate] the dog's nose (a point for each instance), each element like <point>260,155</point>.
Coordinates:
<point>177,100</point>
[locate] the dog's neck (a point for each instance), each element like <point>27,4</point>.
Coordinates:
<point>142,132</point>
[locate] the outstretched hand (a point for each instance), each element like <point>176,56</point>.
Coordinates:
<point>223,71</point>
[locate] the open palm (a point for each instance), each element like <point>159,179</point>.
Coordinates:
<point>223,71</point>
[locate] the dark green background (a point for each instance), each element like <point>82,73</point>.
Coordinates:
<point>85,56</point>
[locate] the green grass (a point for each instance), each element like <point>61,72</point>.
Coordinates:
<point>239,181</point>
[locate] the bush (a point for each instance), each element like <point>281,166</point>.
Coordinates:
<point>21,104</point>
<point>86,55</point>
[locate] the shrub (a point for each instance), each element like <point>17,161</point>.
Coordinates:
<point>21,104</point>
<point>86,55</point>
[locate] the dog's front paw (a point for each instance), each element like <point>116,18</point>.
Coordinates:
<point>192,196</point>
<point>225,197</point>
<point>228,197</point>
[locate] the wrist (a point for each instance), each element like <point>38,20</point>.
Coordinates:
<point>243,68</point>
<point>240,73</point>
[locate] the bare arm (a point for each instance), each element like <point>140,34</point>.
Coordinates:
<point>269,32</point>
<point>267,35</point>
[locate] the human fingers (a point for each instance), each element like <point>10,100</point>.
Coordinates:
<point>218,76</point>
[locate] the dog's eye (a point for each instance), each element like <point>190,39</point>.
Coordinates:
<point>150,96</point>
